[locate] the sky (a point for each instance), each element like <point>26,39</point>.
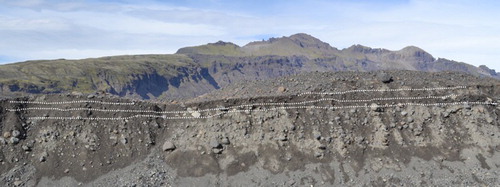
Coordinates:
<point>462,30</point>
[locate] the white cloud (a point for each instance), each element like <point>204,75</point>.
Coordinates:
<point>20,24</point>
<point>23,3</point>
<point>33,29</point>
<point>84,53</point>
<point>126,24</point>
<point>457,30</point>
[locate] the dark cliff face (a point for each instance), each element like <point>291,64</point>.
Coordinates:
<point>188,82</point>
<point>226,70</point>
<point>194,71</point>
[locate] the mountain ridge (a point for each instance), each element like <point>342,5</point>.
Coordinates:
<point>196,70</point>
<point>302,40</point>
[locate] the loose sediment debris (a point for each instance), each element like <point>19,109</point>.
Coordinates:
<point>275,142</point>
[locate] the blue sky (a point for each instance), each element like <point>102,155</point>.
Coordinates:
<point>462,30</point>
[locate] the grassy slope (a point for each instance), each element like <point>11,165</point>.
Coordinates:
<point>296,45</point>
<point>219,48</point>
<point>276,48</point>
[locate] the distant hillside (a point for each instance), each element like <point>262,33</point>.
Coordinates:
<point>354,58</point>
<point>193,71</point>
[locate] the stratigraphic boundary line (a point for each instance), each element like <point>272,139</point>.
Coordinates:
<point>383,90</point>
<point>232,107</point>
<point>306,93</point>
<point>235,109</point>
<point>72,102</point>
<point>264,110</point>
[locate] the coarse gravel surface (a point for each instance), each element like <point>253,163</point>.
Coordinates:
<point>264,133</point>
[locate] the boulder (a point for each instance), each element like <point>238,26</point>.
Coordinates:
<point>196,114</point>
<point>281,89</point>
<point>13,140</point>
<point>217,151</point>
<point>376,108</point>
<point>18,183</point>
<point>16,133</point>
<point>225,141</point>
<point>6,134</point>
<point>385,78</point>
<point>322,147</point>
<point>168,146</point>
<point>404,113</point>
<point>43,157</point>
<point>214,143</point>
<point>317,135</point>
<point>282,138</point>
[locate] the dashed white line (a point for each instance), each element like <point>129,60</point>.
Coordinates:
<point>383,90</point>
<point>262,110</point>
<point>71,102</point>
<point>239,106</point>
<point>306,93</point>
<point>225,110</point>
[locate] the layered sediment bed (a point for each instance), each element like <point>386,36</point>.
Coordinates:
<point>441,133</point>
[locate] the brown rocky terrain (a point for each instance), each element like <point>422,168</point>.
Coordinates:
<point>349,128</point>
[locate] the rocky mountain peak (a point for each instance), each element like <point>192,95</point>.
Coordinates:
<point>223,43</point>
<point>306,38</point>
<point>308,41</point>
<point>295,45</point>
<point>417,53</point>
<point>412,48</point>
<point>203,68</point>
<point>217,48</point>
<point>364,49</point>
<point>488,70</point>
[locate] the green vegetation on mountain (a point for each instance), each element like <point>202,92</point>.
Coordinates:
<point>200,69</point>
<point>295,45</point>
<point>298,45</point>
<point>218,48</point>
<point>88,75</point>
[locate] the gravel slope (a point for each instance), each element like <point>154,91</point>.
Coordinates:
<point>336,140</point>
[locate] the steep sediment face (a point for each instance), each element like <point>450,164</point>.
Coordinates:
<point>365,131</point>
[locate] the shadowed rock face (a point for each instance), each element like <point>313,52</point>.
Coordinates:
<point>378,143</point>
<point>194,71</point>
<point>188,83</point>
